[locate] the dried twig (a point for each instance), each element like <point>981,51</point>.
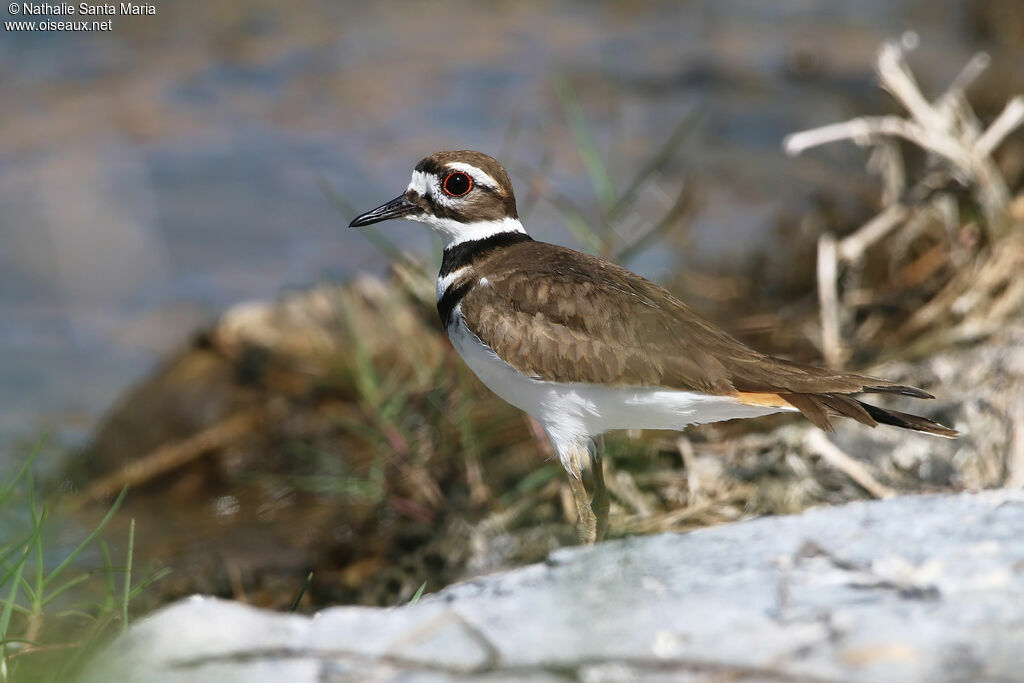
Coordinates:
<point>974,68</point>
<point>1008,120</point>
<point>949,130</point>
<point>1015,460</point>
<point>685,449</point>
<point>169,457</point>
<point>828,299</point>
<point>623,487</point>
<point>816,442</point>
<point>853,246</point>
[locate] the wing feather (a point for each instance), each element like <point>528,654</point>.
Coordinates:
<point>577,318</point>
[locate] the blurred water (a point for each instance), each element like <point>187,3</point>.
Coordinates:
<point>152,175</point>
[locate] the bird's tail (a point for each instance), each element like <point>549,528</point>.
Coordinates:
<point>907,421</point>
<point>819,407</point>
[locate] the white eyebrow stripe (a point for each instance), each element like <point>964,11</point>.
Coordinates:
<point>475,173</point>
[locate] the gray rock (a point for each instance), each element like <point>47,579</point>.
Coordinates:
<point>922,588</point>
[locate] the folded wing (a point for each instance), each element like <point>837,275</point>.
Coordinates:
<point>577,318</point>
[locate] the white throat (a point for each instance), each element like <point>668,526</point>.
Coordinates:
<point>455,232</point>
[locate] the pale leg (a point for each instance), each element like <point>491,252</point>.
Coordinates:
<point>599,504</point>
<point>571,452</point>
<point>586,522</point>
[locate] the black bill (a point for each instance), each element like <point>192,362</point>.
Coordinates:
<point>396,208</point>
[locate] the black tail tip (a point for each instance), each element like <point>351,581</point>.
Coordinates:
<point>907,421</point>
<point>899,389</point>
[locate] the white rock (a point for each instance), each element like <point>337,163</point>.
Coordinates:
<point>925,588</point>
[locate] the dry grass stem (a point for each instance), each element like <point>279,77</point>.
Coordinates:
<point>623,487</point>
<point>169,457</point>
<point>852,247</point>
<point>949,130</point>
<point>1007,122</point>
<point>828,299</point>
<point>693,486</point>
<point>816,442</point>
<point>1015,460</point>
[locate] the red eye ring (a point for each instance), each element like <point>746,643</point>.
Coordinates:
<point>462,183</point>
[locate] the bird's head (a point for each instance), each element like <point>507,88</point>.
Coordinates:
<point>464,195</point>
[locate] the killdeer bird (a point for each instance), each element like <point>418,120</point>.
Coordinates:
<point>586,346</point>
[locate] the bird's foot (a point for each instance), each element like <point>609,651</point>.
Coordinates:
<point>586,527</point>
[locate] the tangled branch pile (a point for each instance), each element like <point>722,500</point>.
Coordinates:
<point>958,270</point>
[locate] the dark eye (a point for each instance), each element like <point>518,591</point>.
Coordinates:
<point>457,184</point>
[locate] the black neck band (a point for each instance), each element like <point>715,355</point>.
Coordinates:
<point>464,253</point>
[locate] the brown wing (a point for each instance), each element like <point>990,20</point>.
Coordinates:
<point>577,318</point>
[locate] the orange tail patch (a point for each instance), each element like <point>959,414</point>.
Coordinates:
<point>763,399</point>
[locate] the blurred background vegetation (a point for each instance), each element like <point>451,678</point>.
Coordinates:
<point>154,178</point>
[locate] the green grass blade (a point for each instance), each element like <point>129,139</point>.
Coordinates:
<point>108,575</point>
<point>11,483</point>
<point>128,574</point>
<point>302,591</point>
<point>12,549</point>
<point>374,237</point>
<point>88,539</point>
<point>86,647</point>
<point>149,581</point>
<point>531,482</point>
<point>335,198</point>
<point>76,613</point>
<point>657,163</point>
<point>679,209</point>
<point>15,607</point>
<point>578,224</point>
<point>585,144</point>
<point>8,610</point>
<point>418,594</point>
<point>60,590</point>
<point>36,594</point>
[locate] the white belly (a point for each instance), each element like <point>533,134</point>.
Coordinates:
<point>577,410</point>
